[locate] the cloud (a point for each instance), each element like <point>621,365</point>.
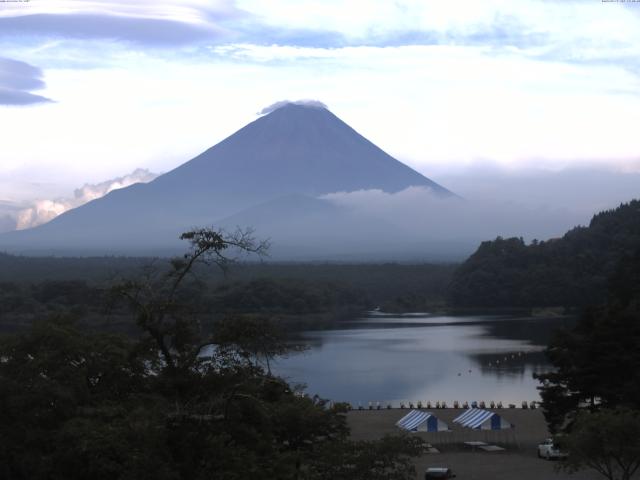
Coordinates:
<point>418,213</point>
<point>154,23</point>
<point>533,204</point>
<point>141,30</point>
<point>42,211</point>
<point>17,79</point>
<point>571,30</point>
<point>282,103</point>
<point>417,224</point>
<point>384,23</point>
<point>581,189</point>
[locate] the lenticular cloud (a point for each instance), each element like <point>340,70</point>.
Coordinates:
<point>282,103</point>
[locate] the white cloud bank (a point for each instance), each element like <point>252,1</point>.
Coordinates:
<point>417,214</point>
<point>42,211</point>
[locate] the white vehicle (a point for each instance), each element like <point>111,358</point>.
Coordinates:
<point>549,451</point>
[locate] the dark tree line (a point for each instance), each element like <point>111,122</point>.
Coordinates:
<point>593,396</point>
<point>394,286</point>
<point>299,303</point>
<point>571,271</point>
<point>304,295</point>
<point>598,362</point>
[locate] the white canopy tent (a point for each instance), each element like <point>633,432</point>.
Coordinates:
<point>419,421</point>
<point>478,419</point>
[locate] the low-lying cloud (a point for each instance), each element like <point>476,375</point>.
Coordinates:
<point>42,211</point>
<point>17,81</point>
<point>416,225</point>
<point>419,213</point>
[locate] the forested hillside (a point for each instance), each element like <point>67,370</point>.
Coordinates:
<point>571,271</point>
<point>303,295</point>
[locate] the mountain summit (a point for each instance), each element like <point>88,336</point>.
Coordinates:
<point>295,149</point>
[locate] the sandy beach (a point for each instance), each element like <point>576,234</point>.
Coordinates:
<point>518,461</point>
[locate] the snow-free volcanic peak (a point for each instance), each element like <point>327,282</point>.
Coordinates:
<point>298,148</point>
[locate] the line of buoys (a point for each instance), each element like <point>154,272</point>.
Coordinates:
<point>496,363</point>
<point>513,356</point>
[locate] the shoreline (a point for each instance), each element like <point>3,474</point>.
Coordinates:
<point>518,460</point>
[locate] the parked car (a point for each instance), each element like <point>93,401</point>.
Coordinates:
<point>438,472</point>
<point>549,451</point>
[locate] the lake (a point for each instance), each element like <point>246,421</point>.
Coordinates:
<point>392,358</point>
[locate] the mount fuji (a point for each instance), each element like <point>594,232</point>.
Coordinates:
<point>293,155</point>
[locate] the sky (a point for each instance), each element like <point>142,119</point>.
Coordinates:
<point>91,90</point>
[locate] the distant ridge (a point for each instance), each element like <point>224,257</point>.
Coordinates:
<point>296,149</point>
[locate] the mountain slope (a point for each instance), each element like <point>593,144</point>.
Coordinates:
<point>303,227</point>
<point>295,149</point>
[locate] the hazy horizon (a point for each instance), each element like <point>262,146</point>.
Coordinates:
<point>532,203</point>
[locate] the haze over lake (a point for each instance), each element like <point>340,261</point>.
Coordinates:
<point>385,358</point>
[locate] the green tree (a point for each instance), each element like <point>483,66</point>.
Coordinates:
<point>73,401</point>
<point>76,404</point>
<point>256,338</point>
<point>607,441</point>
<point>158,299</point>
<point>598,362</point>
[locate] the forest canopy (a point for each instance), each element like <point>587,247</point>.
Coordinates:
<point>571,271</point>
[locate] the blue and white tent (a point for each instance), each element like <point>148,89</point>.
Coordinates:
<point>418,421</point>
<point>479,419</point>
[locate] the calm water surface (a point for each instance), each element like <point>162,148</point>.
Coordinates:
<point>386,358</point>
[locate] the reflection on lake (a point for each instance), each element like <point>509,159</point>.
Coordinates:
<point>425,357</point>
